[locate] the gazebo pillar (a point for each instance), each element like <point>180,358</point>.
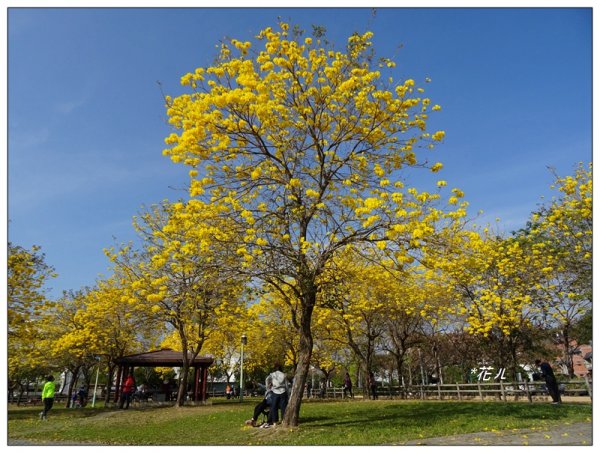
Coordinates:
<point>117,383</point>
<point>196,382</point>
<point>204,377</point>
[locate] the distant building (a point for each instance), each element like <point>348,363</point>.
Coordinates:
<point>582,360</point>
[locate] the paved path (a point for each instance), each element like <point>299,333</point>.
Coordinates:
<point>36,443</point>
<point>565,434</point>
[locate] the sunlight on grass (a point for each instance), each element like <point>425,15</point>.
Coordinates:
<point>382,422</point>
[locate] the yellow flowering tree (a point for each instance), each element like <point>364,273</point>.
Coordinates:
<point>89,328</point>
<point>303,146</point>
<point>493,278</point>
<point>331,352</point>
<point>357,296</point>
<point>63,341</point>
<point>380,307</point>
<point>27,277</point>
<point>180,276</point>
<point>420,310</point>
<point>560,236</point>
<point>110,328</point>
<point>224,344</point>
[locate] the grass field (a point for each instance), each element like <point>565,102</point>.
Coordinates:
<point>382,422</point>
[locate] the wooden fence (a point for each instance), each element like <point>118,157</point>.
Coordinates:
<point>34,400</point>
<point>504,391</point>
<point>461,391</point>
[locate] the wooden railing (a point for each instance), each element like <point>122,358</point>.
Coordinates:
<point>33,400</point>
<point>462,391</point>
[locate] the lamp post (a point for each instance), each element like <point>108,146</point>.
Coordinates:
<point>96,386</point>
<point>244,341</point>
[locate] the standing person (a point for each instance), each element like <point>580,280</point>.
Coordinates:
<point>165,388</point>
<point>348,385</point>
<point>82,396</point>
<point>373,385</point>
<point>127,392</point>
<point>279,385</point>
<point>308,389</point>
<point>550,379</point>
<point>47,396</point>
<point>74,400</point>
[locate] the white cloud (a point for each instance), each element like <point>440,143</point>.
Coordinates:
<point>69,106</point>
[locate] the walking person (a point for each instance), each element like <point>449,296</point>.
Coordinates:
<point>373,386</point>
<point>47,396</point>
<point>278,383</point>
<point>127,392</point>
<point>323,388</point>
<point>550,379</point>
<point>348,385</point>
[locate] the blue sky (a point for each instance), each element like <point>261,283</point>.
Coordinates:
<point>86,121</point>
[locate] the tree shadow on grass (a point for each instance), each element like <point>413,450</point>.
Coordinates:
<point>314,419</point>
<point>487,409</point>
<point>423,414</point>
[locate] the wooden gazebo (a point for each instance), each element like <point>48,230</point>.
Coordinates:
<point>166,358</point>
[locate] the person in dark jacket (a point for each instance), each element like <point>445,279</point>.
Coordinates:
<point>261,408</point>
<point>308,389</point>
<point>348,385</point>
<point>373,385</point>
<point>550,379</point>
<point>82,396</point>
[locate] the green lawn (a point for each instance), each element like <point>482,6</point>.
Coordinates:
<point>381,422</point>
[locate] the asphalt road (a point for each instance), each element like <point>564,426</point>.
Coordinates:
<point>574,434</point>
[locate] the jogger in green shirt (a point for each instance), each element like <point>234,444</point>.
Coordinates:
<point>47,396</point>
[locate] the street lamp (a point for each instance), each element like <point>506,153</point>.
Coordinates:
<point>96,386</point>
<point>244,341</point>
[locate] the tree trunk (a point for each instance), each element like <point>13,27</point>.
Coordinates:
<point>185,368</point>
<point>568,355</point>
<point>109,381</point>
<point>182,392</point>
<point>399,365</point>
<point>21,392</point>
<point>75,374</point>
<point>292,413</point>
<point>514,360</point>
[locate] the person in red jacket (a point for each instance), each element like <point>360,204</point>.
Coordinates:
<point>127,392</point>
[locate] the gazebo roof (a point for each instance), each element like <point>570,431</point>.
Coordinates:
<point>163,357</point>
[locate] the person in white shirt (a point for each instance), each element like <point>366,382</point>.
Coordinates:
<point>279,385</point>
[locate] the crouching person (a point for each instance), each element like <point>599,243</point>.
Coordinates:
<point>261,408</point>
